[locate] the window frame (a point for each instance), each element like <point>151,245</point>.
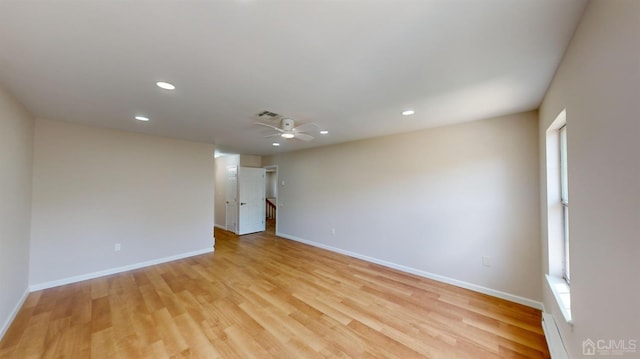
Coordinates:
<point>564,201</point>
<point>557,211</point>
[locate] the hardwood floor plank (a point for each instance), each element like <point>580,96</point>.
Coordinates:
<point>199,344</point>
<point>145,328</point>
<point>172,338</point>
<point>245,344</point>
<point>386,345</point>
<point>19,326</point>
<point>275,347</point>
<point>261,296</point>
<point>155,350</point>
<point>100,287</point>
<point>103,344</point>
<point>100,314</point>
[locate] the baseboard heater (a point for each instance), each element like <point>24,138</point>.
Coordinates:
<point>554,340</point>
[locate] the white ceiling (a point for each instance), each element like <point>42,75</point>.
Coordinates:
<point>351,66</point>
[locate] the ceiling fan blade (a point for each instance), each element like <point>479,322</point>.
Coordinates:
<point>311,126</point>
<point>270,126</point>
<point>303,136</point>
<point>273,135</point>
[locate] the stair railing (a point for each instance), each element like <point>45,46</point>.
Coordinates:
<point>271,209</point>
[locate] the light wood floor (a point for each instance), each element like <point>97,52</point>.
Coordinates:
<point>260,296</point>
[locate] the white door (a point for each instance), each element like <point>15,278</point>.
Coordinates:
<point>232,199</point>
<point>251,186</point>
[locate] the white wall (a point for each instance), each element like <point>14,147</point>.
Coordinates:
<point>95,187</point>
<point>16,160</point>
<point>434,201</point>
<point>250,161</point>
<point>598,82</point>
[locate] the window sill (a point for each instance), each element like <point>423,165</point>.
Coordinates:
<point>562,293</point>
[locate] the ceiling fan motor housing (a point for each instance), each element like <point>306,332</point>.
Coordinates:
<point>287,124</point>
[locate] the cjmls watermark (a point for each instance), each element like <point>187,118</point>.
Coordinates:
<point>609,346</point>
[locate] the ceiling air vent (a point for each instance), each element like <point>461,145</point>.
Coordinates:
<point>269,116</point>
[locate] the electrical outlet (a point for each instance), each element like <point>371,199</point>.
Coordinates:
<point>486,261</point>
<point>116,248</point>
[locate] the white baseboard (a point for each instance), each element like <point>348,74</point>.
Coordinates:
<point>12,315</point>
<point>552,335</point>
<point>476,288</point>
<point>79,278</point>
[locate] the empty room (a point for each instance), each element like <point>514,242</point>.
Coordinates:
<point>307,179</point>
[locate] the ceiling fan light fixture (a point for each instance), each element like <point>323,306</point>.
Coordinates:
<point>165,85</point>
<point>287,135</point>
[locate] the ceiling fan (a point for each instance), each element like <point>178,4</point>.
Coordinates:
<point>288,129</point>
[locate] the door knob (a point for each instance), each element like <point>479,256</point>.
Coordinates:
<point>242,203</point>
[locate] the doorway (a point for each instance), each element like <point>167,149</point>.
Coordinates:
<point>271,192</point>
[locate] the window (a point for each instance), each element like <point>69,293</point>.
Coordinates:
<point>564,200</point>
<point>559,274</point>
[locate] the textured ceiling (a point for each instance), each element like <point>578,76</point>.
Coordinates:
<point>349,66</point>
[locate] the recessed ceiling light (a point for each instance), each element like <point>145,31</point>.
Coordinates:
<point>287,135</point>
<point>324,132</point>
<point>142,118</point>
<point>165,85</point>
<point>408,112</point>
<point>276,144</point>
